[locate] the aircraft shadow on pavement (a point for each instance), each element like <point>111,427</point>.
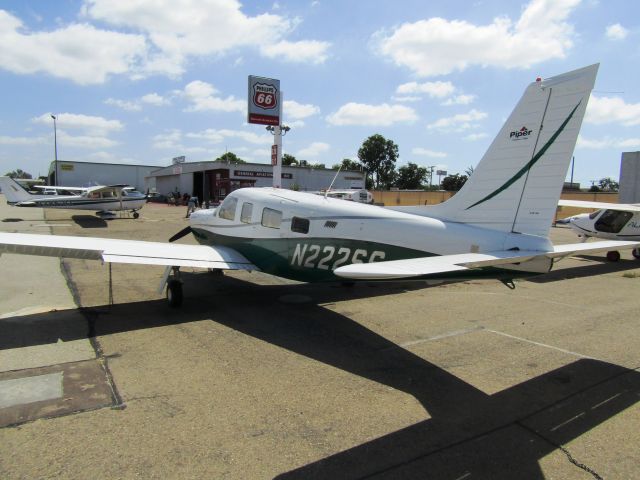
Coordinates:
<point>503,435</point>
<point>601,267</point>
<point>89,221</point>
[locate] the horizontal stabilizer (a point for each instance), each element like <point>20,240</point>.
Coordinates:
<point>511,259</point>
<point>125,251</point>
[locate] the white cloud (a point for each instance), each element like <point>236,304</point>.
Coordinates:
<point>616,32</point>
<point>5,140</point>
<point>428,153</point>
<point>437,46</point>
<point>179,29</point>
<point>457,123</point>
<point>313,150</point>
<point>298,111</point>
<point>203,97</point>
<point>84,141</point>
<point>372,115</point>
<point>96,126</point>
<point>172,140</point>
<point>304,51</point>
<point>154,99</point>
<point>601,110</point>
<point>130,106</point>
<point>78,52</point>
<point>475,136</point>
<point>607,142</point>
<point>408,99</point>
<point>219,136</point>
<point>459,100</point>
<point>433,89</point>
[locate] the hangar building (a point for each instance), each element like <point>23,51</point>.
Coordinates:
<point>630,177</point>
<point>79,174</point>
<point>213,180</point>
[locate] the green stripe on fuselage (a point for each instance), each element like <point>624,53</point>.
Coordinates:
<point>307,259</point>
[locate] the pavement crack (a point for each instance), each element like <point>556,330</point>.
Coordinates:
<point>564,450</point>
<point>578,464</point>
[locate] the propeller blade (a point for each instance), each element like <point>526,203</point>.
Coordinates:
<point>180,234</point>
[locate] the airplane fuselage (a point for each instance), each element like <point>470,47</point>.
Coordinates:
<point>610,224</point>
<point>305,237</point>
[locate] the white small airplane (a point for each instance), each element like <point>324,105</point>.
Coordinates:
<point>497,224</point>
<point>102,199</point>
<point>611,221</point>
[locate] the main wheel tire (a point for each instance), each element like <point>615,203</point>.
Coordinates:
<point>636,253</point>
<point>174,293</point>
<point>613,256</point>
<point>136,214</point>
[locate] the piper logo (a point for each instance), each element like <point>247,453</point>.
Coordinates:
<point>524,132</point>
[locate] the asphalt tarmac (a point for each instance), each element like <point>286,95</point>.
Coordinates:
<point>258,377</point>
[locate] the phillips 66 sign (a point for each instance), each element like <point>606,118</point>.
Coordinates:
<point>264,101</point>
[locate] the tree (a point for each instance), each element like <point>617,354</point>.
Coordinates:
<point>230,157</point>
<point>318,166</point>
<point>608,184</point>
<point>18,174</point>
<point>453,183</point>
<point>348,164</point>
<point>289,159</point>
<point>378,156</point>
<point>411,177</point>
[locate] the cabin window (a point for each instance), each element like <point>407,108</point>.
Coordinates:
<point>594,214</point>
<point>612,221</point>
<point>271,218</point>
<point>245,214</point>
<point>300,225</point>
<point>228,208</point>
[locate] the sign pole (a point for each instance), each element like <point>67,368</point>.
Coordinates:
<point>277,142</point>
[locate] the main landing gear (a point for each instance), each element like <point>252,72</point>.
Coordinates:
<point>171,279</point>
<point>135,214</point>
<point>614,255</point>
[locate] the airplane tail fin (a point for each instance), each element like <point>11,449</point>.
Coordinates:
<point>13,191</point>
<point>517,184</point>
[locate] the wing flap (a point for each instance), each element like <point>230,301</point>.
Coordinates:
<point>125,251</point>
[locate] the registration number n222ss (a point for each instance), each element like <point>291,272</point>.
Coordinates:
<point>330,257</point>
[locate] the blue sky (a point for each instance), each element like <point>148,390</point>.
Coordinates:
<point>142,81</point>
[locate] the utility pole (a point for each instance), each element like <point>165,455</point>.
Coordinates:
<point>55,147</point>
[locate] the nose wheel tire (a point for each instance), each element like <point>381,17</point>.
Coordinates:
<point>174,293</point>
<point>613,256</point>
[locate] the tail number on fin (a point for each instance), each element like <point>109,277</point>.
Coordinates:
<point>330,257</point>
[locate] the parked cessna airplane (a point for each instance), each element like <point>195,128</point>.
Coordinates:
<point>102,199</point>
<point>612,221</point>
<point>497,223</point>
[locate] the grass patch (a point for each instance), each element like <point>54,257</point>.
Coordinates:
<point>631,275</point>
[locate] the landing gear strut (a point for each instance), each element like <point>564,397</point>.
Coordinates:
<point>174,293</point>
<point>171,279</point>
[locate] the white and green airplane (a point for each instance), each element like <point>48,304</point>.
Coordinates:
<point>497,223</point>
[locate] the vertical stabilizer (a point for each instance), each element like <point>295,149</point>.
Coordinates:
<point>13,191</point>
<point>517,184</point>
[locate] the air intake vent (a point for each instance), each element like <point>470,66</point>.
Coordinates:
<point>330,224</point>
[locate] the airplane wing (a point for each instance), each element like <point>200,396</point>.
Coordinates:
<point>125,251</point>
<point>600,205</point>
<point>423,266</point>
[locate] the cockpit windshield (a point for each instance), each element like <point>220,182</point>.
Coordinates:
<point>612,221</point>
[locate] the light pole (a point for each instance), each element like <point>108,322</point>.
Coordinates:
<point>55,145</point>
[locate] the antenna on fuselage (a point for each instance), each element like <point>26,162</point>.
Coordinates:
<point>332,182</point>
